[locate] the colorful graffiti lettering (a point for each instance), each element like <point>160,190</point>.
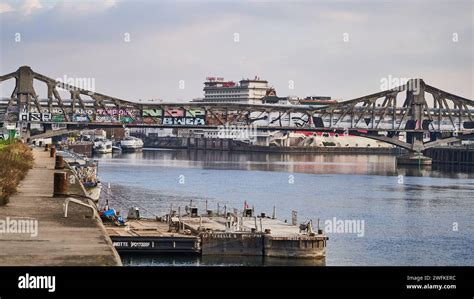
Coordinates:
<point>84,112</point>
<point>152,112</point>
<point>58,118</point>
<point>34,116</point>
<point>80,118</point>
<point>126,119</point>
<point>116,112</point>
<point>196,113</point>
<point>183,121</point>
<point>174,112</point>
<point>105,119</point>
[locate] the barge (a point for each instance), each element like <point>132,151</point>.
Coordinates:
<point>151,236</point>
<point>221,235</point>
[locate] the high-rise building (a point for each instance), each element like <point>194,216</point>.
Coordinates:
<point>249,91</point>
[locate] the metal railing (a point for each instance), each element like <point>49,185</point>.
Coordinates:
<point>79,202</point>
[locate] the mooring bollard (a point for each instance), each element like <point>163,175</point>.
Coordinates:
<point>52,152</point>
<point>59,162</point>
<point>46,147</point>
<point>60,183</point>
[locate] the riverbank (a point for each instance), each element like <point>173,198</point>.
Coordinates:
<point>221,144</point>
<point>51,239</point>
<point>461,155</point>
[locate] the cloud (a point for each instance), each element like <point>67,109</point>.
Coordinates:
<point>5,7</point>
<point>29,6</point>
<point>25,9</point>
<point>348,16</point>
<point>62,8</point>
<point>85,7</point>
<point>279,41</point>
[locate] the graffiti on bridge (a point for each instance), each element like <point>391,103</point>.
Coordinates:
<point>172,116</point>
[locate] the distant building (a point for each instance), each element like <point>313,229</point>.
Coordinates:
<point>93,134</point>
<point>250,91</point>
<point>272,98</point>
<point>317,100</point>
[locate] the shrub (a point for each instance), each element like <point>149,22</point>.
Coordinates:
<point>15,161</point>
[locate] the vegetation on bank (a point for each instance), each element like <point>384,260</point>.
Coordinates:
<point>15,161</point>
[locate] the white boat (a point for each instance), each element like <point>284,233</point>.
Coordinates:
<point>103,147</point>
<point>131,144</point>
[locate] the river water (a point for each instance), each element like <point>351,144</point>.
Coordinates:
<point>405,216</point>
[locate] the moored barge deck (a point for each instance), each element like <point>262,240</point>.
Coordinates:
<point>255,236</point>
<point>150,236</point>
<point>217,235</point>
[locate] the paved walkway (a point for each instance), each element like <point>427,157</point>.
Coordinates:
<point>74,241</point>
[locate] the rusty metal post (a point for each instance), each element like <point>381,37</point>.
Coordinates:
<point>171,214</point>
<point>60,183</point>
<point>52,152</point>
<point>59,162</point>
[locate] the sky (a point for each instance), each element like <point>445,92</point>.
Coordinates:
<point>165,49</point>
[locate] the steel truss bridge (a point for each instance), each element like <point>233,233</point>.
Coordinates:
<point>425,115</point>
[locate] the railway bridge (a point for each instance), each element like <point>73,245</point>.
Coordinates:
<point>425,115</point>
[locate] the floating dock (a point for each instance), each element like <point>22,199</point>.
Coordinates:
<point>218,235</point>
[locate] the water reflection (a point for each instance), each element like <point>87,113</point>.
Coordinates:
<point>300,163</point>
<point>215,261</point>
<point>408,218</point>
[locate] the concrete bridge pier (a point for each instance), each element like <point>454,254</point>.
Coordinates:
<point>414,159</point>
